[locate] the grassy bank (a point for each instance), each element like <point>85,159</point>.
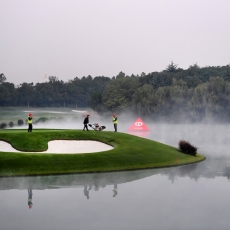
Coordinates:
<point>130,152</point>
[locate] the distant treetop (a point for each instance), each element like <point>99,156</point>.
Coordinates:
<point>2,78</point>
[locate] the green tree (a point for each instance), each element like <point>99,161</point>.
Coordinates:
<point>120,75</point>
<point>95,102</point>
<point>25,93</point>
<point>44,94</point>
<point>52,79</point>
<point>8,94</point>
<point>75,92</point>
<point>162,96</point>
<point>118,94</point>
<point>143,100</point>
<point>194,69</point>
<point>172,68</point>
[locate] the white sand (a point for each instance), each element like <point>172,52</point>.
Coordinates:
<point>65,146</point>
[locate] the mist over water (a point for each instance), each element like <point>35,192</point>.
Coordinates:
<point>195,196</point>
<point>202,135</point>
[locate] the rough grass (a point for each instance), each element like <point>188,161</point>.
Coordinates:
<point>187,148</point>
<point>129,153</point>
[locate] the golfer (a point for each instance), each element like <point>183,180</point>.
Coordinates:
<point>86,122</point>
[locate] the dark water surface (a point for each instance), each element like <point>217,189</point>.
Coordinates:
<point>195,196</point>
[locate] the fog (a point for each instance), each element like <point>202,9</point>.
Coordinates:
<point>202,135</point>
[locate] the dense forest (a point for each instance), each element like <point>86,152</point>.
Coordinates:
<point>194,94</point>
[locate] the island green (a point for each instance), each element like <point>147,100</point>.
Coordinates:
<point>129,153</point>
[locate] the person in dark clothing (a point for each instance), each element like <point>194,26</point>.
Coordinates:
<point>30,121</point>
<point>85,122</point>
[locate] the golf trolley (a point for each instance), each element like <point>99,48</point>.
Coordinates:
<point>96,127</point>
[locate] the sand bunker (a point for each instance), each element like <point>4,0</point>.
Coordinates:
<point>65,146</point>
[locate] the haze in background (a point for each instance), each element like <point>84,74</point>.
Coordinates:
<point>75,38</point>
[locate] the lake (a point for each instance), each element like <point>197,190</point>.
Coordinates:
<point>190,197</point>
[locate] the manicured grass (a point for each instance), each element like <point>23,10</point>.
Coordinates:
<point>129,153</point>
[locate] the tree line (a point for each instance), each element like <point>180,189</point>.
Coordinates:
<point>175,94</point>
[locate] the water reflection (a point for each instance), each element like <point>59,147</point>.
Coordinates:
<point>115,190</point>
<point>210,168</point>
<point>30,195</point>
<point>90,181</point>
<point>86,191</point>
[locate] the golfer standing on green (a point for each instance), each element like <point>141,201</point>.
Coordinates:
<point>85,122</point>
<point>115,121</point>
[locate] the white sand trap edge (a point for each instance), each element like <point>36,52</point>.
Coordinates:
<point>65,146</point>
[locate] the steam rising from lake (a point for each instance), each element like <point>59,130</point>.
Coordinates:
<point>201,135</point>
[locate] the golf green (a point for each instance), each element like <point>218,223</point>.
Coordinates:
<point>129,153</point>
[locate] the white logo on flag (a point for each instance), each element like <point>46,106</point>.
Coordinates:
<point>139,123</point>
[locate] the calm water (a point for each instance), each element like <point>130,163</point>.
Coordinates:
<point>192,197</point>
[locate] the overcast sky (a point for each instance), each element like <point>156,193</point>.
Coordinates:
<point>75,38</point>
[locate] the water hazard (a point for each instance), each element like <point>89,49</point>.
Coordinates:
<point>195,196</point>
